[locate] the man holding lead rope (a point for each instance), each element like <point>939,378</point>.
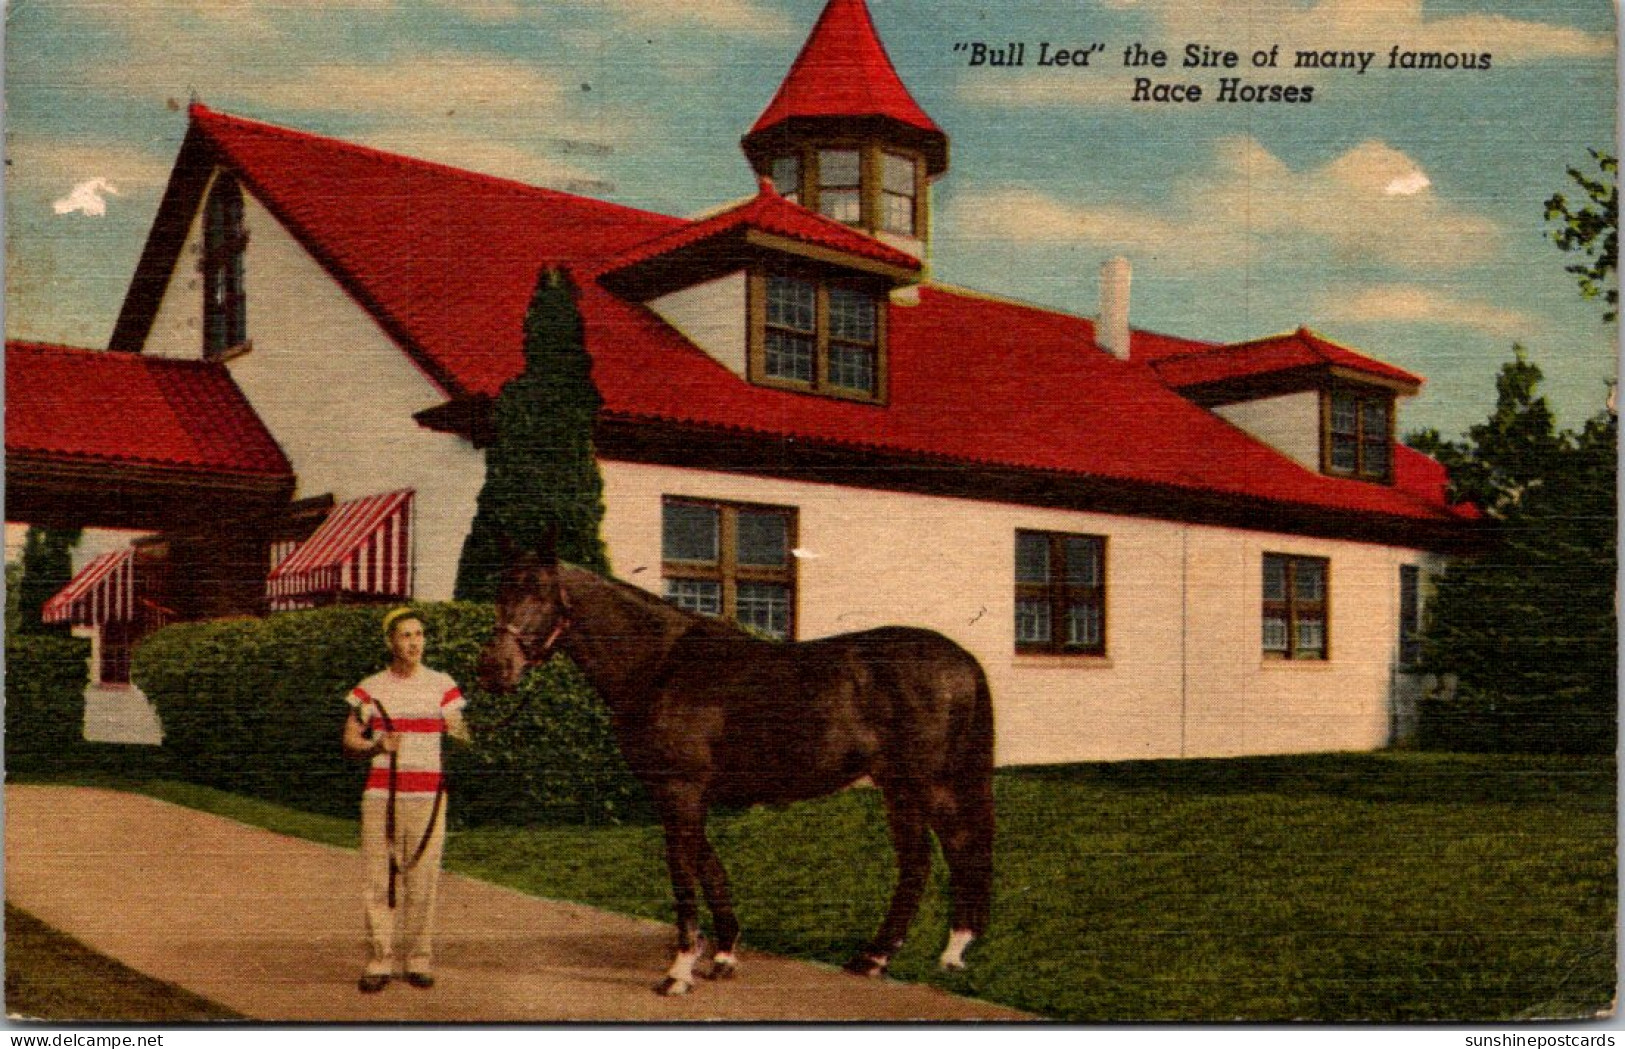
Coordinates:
<point>396,719</point>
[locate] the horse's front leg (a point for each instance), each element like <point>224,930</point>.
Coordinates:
<point>683,817</point>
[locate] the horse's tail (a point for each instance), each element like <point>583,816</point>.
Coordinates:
<point>967,837</point>
<point>975,759</point>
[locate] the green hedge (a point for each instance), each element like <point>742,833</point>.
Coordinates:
<point>1474,721</point>
<point>257,707</point>
<point>45,701</point>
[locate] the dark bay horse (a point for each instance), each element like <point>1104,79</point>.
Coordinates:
<point>708,715</point>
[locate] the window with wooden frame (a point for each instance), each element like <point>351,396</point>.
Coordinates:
<point>1296,623</point>
<point>898,190</point>
<point>786,175</point>
<point>225,300</point>
<point>1410,617</point>
<point>731,560</point>
<point>863,184</point>
<point>1060,594</point>
<point>817,334</point>
<point>840,185</point>
<point>1358,434</point>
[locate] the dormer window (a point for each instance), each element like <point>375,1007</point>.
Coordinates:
<point>817,334</point>
<point>1359,433</point>
<point>225,302</point>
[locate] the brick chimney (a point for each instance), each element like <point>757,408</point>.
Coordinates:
<point>1111,327</point>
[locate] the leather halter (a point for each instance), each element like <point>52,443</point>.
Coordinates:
<point>528,640</point>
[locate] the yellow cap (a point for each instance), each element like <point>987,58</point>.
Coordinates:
<point>395,615</point>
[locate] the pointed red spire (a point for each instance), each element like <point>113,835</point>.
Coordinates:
<point>843,75</point>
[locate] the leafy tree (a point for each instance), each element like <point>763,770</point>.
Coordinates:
<point>1528,628</point>
<point>541,473</point>
<point>47,565</point>
<point>1592,230</point>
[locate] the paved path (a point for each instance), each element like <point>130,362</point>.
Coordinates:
<point>270,926</point>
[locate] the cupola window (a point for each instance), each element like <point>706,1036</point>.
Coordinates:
<point>225,303</point>
<point>787,178</point>
<point>897,194</point>
<point>840,185</point>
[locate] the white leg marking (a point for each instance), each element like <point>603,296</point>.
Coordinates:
<point>725,958</point>
<point>680,977</point>
<point>954,956</point>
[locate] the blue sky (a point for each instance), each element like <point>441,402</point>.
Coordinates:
<point>1400,212</point>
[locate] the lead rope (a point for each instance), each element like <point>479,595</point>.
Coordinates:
<point>396,867</point>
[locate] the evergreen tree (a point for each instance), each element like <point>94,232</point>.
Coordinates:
<point>1528,628</point>
<point>541,474</point>
<point>47,565</point>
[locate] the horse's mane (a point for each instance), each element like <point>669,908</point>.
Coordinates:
<point>659,606</point>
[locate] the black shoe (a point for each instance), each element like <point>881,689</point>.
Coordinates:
<point>420,980</point>
<point>372,983</point>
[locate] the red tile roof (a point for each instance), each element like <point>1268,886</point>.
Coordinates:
<point>447,260</point>
<point>843,71</point>
<point>1024,387</point>
<point>125,408</point>
<point>768,212</point>
<point>1300,349</point>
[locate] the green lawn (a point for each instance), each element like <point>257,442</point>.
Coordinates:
<point>1396,886</point>
<point>50,976</point>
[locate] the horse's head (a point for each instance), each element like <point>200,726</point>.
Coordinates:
<point>533,613</point>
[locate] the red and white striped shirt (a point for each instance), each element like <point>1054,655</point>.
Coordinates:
<point>416,707</point>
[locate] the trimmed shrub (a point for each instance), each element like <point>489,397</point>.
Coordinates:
<point>1475,721</point>
<point>45,702</point>
<point>257,707</point>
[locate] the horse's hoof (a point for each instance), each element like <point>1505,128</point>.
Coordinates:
<point>672,987</point>
<point>954,966</point>
<point>726,969</point>
<point>866,965</point>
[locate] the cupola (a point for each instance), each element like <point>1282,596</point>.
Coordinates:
<point>844,137</point>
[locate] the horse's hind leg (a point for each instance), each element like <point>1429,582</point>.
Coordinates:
<point>905,811</point>
<point>714,881</point>
<point>964,824</point>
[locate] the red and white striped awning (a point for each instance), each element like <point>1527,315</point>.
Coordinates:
<point>364,547</point>
<point>103,591</point>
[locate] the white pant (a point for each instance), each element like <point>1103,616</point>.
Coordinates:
<point>411,923</point>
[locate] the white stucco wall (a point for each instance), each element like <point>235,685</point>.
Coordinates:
<point>1290,423</point>
<point>336,393</point>
<point>713,316</point>
<point>1183,674</point>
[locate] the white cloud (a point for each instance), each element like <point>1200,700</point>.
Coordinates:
<point>86,198</point>
<point>1248,204</point>
<point>1424,304</point>
<point>1408,185</point>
